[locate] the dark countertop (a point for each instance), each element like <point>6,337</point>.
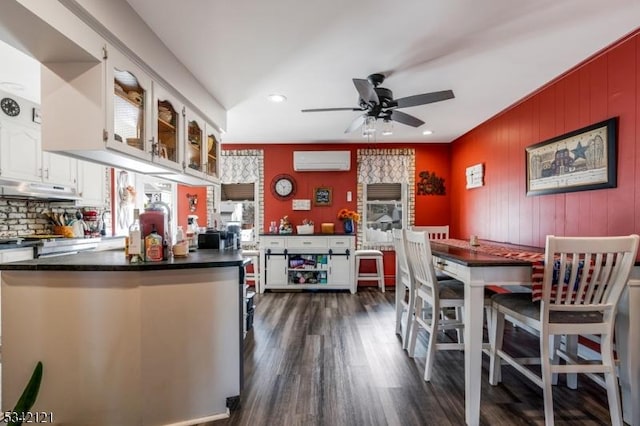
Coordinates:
<point>113,260</point>
<point>470,257</point>
<point>317,234</point>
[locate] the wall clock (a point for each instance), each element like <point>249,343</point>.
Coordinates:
<point>283,186</point>
<point>10,107</point>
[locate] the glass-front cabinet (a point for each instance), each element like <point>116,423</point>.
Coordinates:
<point>168,135</point>
<point>128,107</point>
<point>213,146</point>
<point>194,147</point>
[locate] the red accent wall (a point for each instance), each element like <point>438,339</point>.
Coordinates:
<point>183,205</point>
<point>605,86</point>
<point>278,158</point>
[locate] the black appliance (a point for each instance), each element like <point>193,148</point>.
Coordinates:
<point>212,240</point>
<point>233,236</point>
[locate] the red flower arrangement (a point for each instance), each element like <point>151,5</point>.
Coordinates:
<point>345,214</point>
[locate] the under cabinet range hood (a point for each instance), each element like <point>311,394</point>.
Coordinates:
<point>47,191</point>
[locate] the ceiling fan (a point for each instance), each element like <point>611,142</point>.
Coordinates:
<point>377,102</point>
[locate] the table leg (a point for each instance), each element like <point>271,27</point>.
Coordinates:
<point>399,295</point>
<point>473,321</point>
<point>628,348</point>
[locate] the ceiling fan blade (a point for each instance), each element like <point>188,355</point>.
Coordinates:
<point>332,109</point>
<point>359,121</point>
<point>407,119</point>
<point>366,91</point>
<point>425,98</point>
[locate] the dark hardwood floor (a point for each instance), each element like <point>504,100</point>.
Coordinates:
<point>333,358</point>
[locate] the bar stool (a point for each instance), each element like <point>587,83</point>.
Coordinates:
<point>378,275</point>
<point>254,276</point>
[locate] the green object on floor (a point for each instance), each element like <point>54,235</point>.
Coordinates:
<point>28,397</point>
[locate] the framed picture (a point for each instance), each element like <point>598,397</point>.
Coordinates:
<point>322,196</point>
<point>581,160</point>
<point>36,116</point>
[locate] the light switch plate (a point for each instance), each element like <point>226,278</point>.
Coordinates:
<point>301,205</point>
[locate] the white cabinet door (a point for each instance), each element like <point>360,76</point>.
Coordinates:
<point>128,112</point>
<point>212,163</point>
<point>168,129</point>
<point>340,271</point>
<point>20,152</point>
<point>91,184</point>
<point>276,266</point>
<point>194,144</point>
<point>59,169</point>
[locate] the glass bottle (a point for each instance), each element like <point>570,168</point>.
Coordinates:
<point>153,245</point>
<point>135,239</point>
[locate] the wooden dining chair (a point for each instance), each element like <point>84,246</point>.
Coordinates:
<point>582,282</point>
<point>435,232</point>
<point>440,232</point>
<point>429,292</point>
<point>405,286</point>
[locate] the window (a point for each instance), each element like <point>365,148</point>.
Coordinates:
<point>384,210</point>
<point>238,207</point>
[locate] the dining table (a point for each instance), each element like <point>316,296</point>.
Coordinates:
<point>477,270</point>
<point>492,264</point>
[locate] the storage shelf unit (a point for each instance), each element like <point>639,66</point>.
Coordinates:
<point>307,262</point>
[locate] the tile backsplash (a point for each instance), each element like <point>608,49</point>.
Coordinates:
<point>24,217</point>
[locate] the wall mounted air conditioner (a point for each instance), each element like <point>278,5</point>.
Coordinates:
<point>321,161</point>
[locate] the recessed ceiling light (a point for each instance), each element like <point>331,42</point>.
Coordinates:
<point>427,132</point>
<point>9,85</point>
<point>277,98</point>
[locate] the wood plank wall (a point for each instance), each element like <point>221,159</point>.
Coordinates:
<point>605,86</point>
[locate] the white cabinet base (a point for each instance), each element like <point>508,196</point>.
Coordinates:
<point>307,262</point>
<point>123,348</point>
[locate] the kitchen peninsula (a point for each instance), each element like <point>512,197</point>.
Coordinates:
<point>148,343</point>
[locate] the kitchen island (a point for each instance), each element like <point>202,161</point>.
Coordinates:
<point>129,344</point>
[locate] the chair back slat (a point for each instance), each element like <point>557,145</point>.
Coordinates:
<point>581,271</point>
<point>418,250</point>
<point>433,232</point>
<point>403,273</point>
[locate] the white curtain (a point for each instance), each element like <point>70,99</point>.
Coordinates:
<point>386,166</point>
<point>246,166</point>
<point>241,166</point>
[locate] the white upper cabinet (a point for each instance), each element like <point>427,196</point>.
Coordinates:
<point>22,159</point>
<point>128,107</point>
<point>100,112</point>
<point>92,184</point>
<point>168,134</point>
<point>59,169</point>
<point>20,152</point>
<point>201,148</point>
<point>194,148</point>
<point>212,155</point>
<point>115,114</point>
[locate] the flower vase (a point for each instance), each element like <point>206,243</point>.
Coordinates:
<point>349,226</point>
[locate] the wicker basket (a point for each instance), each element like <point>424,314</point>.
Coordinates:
<point>305,229</point>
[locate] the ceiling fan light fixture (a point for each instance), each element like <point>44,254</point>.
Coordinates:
<point>387,128</point>
<point>427,132</point>
<point>277,98</point>
<point>369,126</point>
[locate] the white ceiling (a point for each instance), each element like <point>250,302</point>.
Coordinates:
<point>491,53</point>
